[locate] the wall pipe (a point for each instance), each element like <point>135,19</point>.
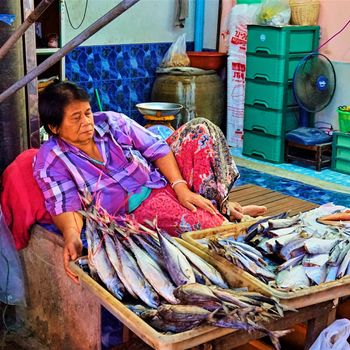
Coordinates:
<point>199,25</point>
<point>31,18</point>
<point>91,30</point>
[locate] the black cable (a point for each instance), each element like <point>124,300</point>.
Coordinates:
<point>70,22</point>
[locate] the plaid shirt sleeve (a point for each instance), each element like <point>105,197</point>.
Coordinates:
<point>150,145</point>
<point>59,189</point>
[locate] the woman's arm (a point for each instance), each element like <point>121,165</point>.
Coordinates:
<point>70,224</point>
<point>169,168</point>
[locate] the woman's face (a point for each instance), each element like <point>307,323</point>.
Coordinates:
<point>77,126</point>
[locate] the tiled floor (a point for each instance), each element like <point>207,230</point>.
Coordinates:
<point>298,181</point>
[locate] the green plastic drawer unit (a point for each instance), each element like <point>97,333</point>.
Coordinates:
<point>341,139</point>
<point>341,165</point>
<point>282,40</point>
<point>264,147</point>
<point>269,95</point>
<point>270,121</point>
<point>341,152</point>
<point>278,69</point>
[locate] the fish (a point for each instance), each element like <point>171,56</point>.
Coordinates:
<point>290,263</point>
<point>178,267</point>
<point>102,264</point>
<point>316,245</point>
<point>287,250</point>
<point>282,241</point>
<point>315,260</point>
<point>253,230</point>
<point>344,265</point>
<point>182,313</point>
<point>153,273</point>
<point>173,327</point>
<point>142,311</point>
<point>207,269</point>
<point>331,273</point>
<point>197,294</point>
<point>242,245</point>
<point>281,231</point>
<point>283,223</point>
<point>229,296</point>
<point>231,322</point>
<point>293,278</point>
<point>130,271</point>
<point>316,274</point>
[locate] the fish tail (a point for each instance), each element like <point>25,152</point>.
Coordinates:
<point>274,337</point>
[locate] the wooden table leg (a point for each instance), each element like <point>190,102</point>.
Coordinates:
<point>316,325</point>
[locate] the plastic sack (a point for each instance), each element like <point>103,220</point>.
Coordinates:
<point>8,19</point>
<point>334,337</point>
<point>11,273</point>
<point>176,56</point>
<point>275,12</point>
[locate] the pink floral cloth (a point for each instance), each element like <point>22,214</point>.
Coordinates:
<point>205,162</point>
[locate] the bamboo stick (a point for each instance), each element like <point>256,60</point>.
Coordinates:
<point>91,30</point>
<point>32,17</point>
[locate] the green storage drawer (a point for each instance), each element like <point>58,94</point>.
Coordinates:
<point>341,165</point>
<point>264,147</point>
<point>341,139</point>
<point>270,121</point>
<point>279,69</point>
<point>269,95</point>
<point>282,40</point>
<point>341,152</point>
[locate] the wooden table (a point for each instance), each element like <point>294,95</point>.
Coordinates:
<point>275,202</point>
<point>67,316</point>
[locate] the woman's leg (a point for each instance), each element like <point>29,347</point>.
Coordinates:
<point>204,159</point>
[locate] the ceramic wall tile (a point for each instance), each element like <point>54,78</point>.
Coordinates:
<point>123,75</point>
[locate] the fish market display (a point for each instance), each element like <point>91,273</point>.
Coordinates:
<point>289,253</point>
<point>157,278</point>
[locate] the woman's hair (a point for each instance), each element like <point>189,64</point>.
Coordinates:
<point>54,99</point>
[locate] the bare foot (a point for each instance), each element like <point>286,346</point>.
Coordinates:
<point>254,210</point>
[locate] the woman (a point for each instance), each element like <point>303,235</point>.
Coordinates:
<point>134,171</point>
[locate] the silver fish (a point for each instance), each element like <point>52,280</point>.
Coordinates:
<point>286,251</point>
<point>293,278</point>
<point>290,263</point>
<point>207,269</point>
<point>316,245</point>
<point>316,274</point>
<point>282,231</point>
<point>102,264</point>
<point>331,273</point>
<point>344,265</point>
<point>315,260</point>
<point>283,223</point>
<point>130,271</point>
<point>153,273</point>
<point>177,265</point>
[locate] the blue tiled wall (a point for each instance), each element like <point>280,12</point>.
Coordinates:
<point>122,74</point>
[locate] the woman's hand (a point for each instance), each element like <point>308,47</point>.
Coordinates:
<point>233,210</point>
<point>71,251</point>
<point>192,200</point>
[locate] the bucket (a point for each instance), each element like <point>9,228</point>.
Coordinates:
<point>201,92</point>
<point>344,118</point>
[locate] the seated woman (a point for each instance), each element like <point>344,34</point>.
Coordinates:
<point>184,182</point>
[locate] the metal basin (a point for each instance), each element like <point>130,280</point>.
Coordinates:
<point>159,109</point>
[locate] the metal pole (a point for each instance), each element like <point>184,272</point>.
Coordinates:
<point>91,30</point>
<point>44,4</point>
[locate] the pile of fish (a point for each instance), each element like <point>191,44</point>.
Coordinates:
<point>290,252</point>
<point>168,285</point>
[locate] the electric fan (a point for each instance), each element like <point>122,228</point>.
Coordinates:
<point>314,84</point>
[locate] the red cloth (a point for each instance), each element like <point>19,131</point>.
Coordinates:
<point>22,201</point>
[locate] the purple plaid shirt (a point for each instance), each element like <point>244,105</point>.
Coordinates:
<point>63,171</point>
